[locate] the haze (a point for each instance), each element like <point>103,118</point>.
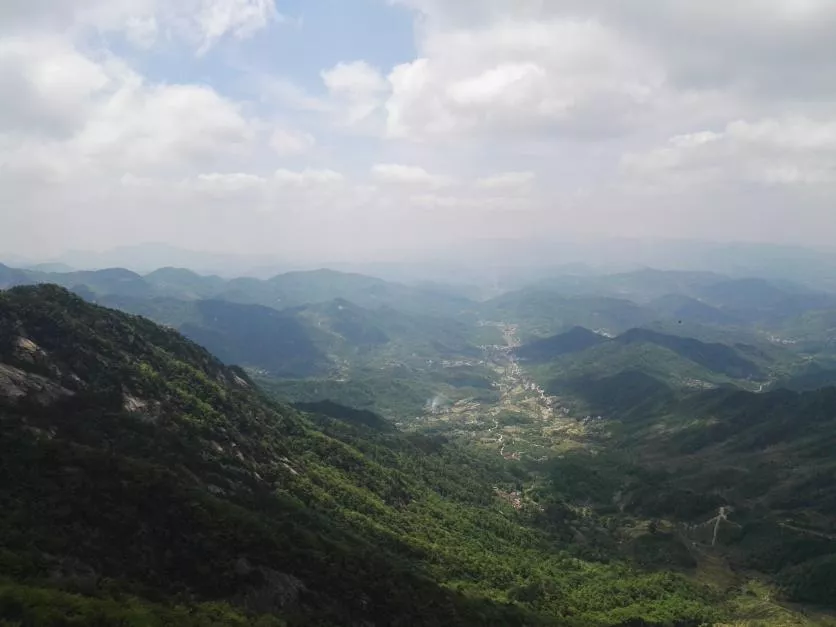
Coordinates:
<point>371,130</point>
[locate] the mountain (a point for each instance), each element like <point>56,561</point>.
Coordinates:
<point>284,291</point>
<point>109,281</point>
<point>182,478</point>
<point>582,359</point>
<point>145,483</point>
<point>768,459</point>
<point>617,302</point>
<point>350,415</point>
<point>306,341</point>
<point>382,360</point>
<point>184,284</point>
<point>257,336</point>
<point>687,309</point>
<point>101,282</point>
<point>355,325</point>
<point>9,277</point>
<point>389,361</point>
<point>623,394</point>
<point>50,267</point>
<point>747,476</point>
<point>813,332</point>
<point>248,335</point>
<point>642,285</point>
<point>425,336</point>
<point>319,331</point>
<point>714,357</point>
<point>543,312</point>
<point>150,256</point>
<point>760,300</point>
<point>574,340</point>
<point>611,359</point>
<point>295,289</point>
<point>813,377</point>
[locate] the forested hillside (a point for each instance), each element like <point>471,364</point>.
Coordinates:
<point>143,482</point>
<point>751,474</point>
<point>434,469</point>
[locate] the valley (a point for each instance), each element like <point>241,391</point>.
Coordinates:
<point>537,431</point>
<point>524,420</point>
<point>540,458</point>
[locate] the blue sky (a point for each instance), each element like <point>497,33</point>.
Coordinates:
<point>333,31</point>
<point>375,129</point>
<point>317,35</point>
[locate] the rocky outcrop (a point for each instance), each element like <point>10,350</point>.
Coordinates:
<point>15,384</point>
<point>271,590</point>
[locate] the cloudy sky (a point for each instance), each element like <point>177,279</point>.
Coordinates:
<point>363,128</point>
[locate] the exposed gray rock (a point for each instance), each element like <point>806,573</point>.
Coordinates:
<point>16,384</point>
<point>273,592</point>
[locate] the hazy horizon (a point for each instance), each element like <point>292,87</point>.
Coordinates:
<point>361,131</point>
<point>508,263</point>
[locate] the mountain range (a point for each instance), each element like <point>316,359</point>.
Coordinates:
<point>433,469</point>
<point>144,482</point>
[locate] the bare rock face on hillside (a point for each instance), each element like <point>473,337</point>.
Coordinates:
<point>27,347</point>
<point>15,384</point>
<point>271,590</point>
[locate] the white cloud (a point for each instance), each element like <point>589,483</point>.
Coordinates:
<point>46,85</point>
<point>142,32</point>
<point>215,19</point>
<point>596,67</point>
<point>229,183</point>
<point>308,178</point>
<point>64,111</point>
<point>285,94</point>
<point>670,117</point>
<point>524,77</point>
<point>68,105</point>
<point>396,174</point>
<point>200,23</point>
<point>165,126</point>
<point>790,151</point>
<point>357,88</point>
<point>509,181</point>
<point>285,141</point>
<point>356,78</point>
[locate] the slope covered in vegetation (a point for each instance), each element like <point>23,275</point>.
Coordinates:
<point>143,482</point>
<point>751,475</point>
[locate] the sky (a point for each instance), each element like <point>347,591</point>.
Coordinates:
<point>366,129</point>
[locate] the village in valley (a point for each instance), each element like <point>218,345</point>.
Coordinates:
<point>526,422</point>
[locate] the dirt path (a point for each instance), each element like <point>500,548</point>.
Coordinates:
<point>812,532</point>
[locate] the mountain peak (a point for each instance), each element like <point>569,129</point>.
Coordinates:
<point>574,340</point>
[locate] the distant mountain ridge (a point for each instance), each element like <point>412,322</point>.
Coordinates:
<point>762,300</point>
<point>574,340</point>
<point>282,291</point>
<point>248,335</point>
<point>304,341</point>
<point>618,302</point>
<point>715,357</point>
<point>543,312</point>
<point>686,308</point>
<point>343,318</point>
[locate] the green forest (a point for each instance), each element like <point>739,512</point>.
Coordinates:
<point>146,482</point>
